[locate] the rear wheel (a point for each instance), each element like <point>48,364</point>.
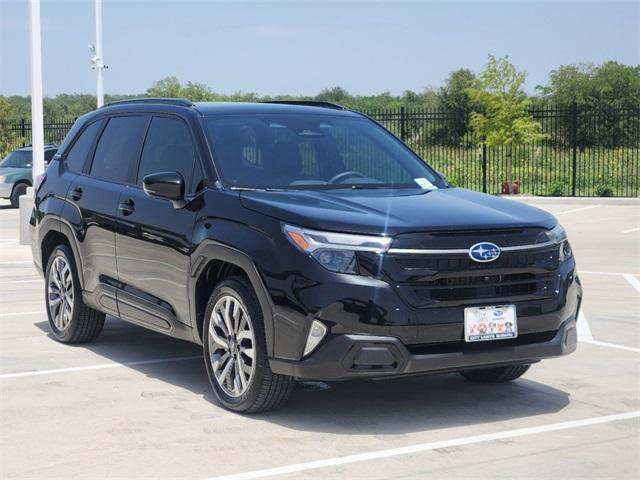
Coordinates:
<point>71,321</point>
<point>235,351</point>
<point>496,374</point>
<point>19,190</point>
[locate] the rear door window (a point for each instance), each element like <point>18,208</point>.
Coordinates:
<point>118,148</point>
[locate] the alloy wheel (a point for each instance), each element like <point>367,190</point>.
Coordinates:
<point>60,293</point>
<point>231,346</point>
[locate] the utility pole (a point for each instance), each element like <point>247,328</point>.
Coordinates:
<point>37,128</point>
<point>97,61</point>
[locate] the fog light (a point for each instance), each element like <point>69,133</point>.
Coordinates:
<point>316,334</point>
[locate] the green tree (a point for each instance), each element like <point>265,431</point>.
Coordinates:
<point>504,119</point>
<point>610,85</point>
<point>454,99</point>
<point>168,87</point>
<point>454,95</point>
<point>8,139</point>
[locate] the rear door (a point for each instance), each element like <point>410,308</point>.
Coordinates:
<point>153,243</point>
<point>94,196</point>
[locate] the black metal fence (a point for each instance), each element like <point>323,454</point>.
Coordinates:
<point>587,152</point>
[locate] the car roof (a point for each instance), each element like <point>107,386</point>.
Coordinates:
<point>246,108</point>
<point>47,146</point>
<point>225,108</point>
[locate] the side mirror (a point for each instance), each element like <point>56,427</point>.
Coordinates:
<point>167,185</point>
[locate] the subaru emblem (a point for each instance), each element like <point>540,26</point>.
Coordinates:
<point>484,252</point>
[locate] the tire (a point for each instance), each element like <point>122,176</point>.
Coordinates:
<point>241,383</point>
<point>18,190</point>
<point>82,324</point>
<point>496,374</point>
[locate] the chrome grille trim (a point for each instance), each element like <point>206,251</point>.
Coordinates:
<point>465,251</point>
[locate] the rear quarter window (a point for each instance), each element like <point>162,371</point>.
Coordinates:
<point>77,155</point>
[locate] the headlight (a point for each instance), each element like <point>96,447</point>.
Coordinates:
<point>558,235</point>
<point>2,178</point>
<point>335,251</point>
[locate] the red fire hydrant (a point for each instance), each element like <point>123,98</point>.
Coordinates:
<point>515,187</point>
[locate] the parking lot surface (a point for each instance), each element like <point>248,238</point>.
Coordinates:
<point>137,404</point>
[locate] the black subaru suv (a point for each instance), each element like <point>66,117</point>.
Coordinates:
<point>294,241</point>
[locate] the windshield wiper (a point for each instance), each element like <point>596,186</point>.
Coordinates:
<point>358,186</point>
<point>255,189</point>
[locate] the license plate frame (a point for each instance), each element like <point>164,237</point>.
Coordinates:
<point>490,323</point>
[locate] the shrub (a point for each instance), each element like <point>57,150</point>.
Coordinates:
<point>557,189</point>
<point>604,190</point>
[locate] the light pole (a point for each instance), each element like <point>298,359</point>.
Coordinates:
<point>37,128</point>
<point>97,62</point>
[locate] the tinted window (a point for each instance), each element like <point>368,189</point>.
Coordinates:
<point>312,151</point>
<point>80,149</point>
<point>48,155</point>
<point>17,159</point>
<point>118,148</point>
<point>168,148</point>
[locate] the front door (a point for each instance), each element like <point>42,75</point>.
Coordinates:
<point>153,242</point>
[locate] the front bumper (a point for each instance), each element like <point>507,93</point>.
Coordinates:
<point>347,356</point>
<point>6,189</point>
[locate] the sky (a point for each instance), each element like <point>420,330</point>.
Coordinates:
<point>300,47</point>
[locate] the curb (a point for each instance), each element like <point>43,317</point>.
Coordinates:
<point>576,200</point>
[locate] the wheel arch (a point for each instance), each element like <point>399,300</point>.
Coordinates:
<point>55,232</point>
<point>213,262</point>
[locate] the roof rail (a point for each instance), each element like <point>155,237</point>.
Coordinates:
<point>308,103</point>
<point>181,102</point>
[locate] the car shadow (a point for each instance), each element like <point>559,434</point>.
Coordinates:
<point>386,407</point>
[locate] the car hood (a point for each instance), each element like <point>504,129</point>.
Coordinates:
<point>395,211</point>
<point>13,171</point>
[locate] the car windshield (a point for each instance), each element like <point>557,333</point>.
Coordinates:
<point>285,151</point>
<point>17,159</point>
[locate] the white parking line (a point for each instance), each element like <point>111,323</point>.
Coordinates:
<point>35,280</point>
<point>17,262</point>
<point>584,332</point>
<point>615,274</point>
<point>22,313</point>
<point>576,210</point>
<point>633,281</point>
<point>427,447</point>
<point>585,336</point>
<point>611,345</point>
<point>35,373</point>
<point>636,229</point>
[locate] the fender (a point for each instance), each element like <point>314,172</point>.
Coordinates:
<point>59,225</point>
<point>211,250</point>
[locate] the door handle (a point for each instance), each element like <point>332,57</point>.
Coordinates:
<point>127,207</point>
<point>76,194</point>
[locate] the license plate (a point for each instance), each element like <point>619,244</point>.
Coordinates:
<point>490,323</point>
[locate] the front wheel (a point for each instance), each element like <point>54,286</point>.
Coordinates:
<point>19,190</point>
<point>496,374</point>
<point>235,351</point>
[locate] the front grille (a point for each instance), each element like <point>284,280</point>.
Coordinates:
<point>546,259</point>
<point>467,290</point>
<point>439,280</point>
